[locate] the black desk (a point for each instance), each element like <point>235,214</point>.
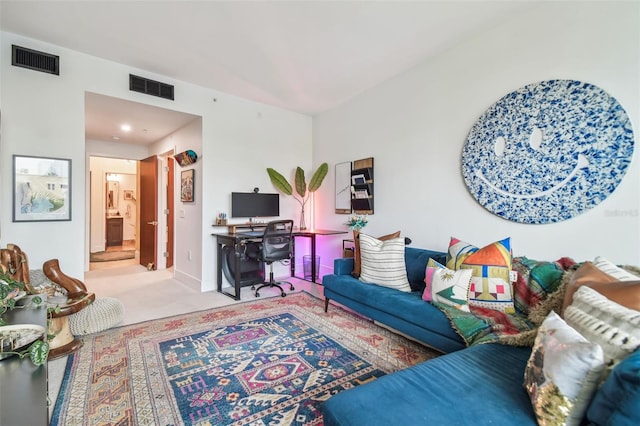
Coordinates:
<point>311,234</point>
<point>238,239</point>
<point>23,385</point>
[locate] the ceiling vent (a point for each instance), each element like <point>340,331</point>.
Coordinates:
<point>34,60</point>
<point>150,87</point>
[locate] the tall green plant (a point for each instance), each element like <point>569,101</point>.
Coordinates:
<point>302,190</point>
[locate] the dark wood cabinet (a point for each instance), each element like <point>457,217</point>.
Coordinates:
<point>114,231</point>
<point>23,385</point>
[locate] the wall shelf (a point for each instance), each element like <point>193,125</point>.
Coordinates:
<point>362,186</point>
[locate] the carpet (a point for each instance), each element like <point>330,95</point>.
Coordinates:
<point>108,256</point>
<point>269,361</point>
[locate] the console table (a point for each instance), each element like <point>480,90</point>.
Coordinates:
<point>23,385</point>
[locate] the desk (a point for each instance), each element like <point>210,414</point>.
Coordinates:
<point>23,385</point>
<point>311,234</point>
<point>238,240</point>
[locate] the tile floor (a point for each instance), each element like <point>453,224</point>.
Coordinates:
<point>150,295</point>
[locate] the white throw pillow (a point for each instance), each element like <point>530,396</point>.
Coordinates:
<point>382,262</point>
<point>562,373</point>
<point>612,326</point>
<point>613,270</point>
<point>447,286</point>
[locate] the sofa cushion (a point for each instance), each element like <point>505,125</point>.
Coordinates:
<point>562,373</point>
<point>407,306</point>
<point>383,262</point>
<point>357,257</point>
<point>478,385</point>
<point>490,285</point>
<point>604,322</point>
<point>446,286</point>
<point>416,260</point>
<point>617,402</point>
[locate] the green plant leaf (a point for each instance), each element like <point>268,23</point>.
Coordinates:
<point>279,181</point>
<point>38,352</point>
<point>301,184</point>
<point>318,177</point>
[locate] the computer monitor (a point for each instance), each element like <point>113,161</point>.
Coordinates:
<point>254,204</point>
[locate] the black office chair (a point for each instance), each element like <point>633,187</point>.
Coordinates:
<point>277,244</point>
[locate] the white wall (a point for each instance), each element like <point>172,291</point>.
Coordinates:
<point>187,216</point>
<point>43,115</point>
<point>416,124</point>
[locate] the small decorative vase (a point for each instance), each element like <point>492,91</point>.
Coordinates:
<point>303,224</point>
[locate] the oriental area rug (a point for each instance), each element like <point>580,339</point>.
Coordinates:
<point>266,362</point>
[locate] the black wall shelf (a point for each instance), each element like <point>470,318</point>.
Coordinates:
<point>362,186</point>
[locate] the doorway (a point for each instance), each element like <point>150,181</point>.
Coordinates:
<point>113,211</point>
<point>149,131</point>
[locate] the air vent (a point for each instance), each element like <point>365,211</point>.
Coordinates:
<point>34,60</point>
<point>150,87</point>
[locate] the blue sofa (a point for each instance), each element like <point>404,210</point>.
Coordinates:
<point>482,384</point>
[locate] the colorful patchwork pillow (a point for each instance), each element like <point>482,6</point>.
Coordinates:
<point>490,286</point>
<point>382,262</point>
<point>562,373</point>
<point>447,286</point>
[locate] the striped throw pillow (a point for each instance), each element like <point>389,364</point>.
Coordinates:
<point>611,269</point>
<point>612,326</point>
<point>382,262</point>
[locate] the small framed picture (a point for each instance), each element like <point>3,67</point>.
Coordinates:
<point>128,194</point>
<point>358,180</point>
<point>361,194</point>
<point>187,185</point>
<point>41,189</point>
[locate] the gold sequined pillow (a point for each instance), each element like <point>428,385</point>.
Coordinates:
<point>562,373</point>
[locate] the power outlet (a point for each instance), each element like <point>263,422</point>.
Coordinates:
<point>513,276</point>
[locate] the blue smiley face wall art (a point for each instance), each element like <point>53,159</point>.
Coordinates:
<point>548,151</point>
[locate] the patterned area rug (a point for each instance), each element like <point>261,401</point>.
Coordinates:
<point>267,362</point>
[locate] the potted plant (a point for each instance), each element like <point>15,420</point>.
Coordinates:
<point>10,292</point>
<point>302,190</point>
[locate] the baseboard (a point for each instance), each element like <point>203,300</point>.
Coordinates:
<point>187,279</point>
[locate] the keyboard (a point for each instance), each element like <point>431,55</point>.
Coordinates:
<point>253,233</point>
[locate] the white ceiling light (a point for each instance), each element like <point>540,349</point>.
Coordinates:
<point>125,128</point>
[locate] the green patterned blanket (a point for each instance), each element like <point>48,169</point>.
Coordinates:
<point>537,280</point>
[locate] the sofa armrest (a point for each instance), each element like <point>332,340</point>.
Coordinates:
<point>343,266</point>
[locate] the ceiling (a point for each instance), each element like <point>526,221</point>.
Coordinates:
<point>304,56</point>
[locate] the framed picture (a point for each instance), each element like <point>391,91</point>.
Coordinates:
<point>187,185</point>
<point>358,179</point>
<point>127,194</point>
<point>41,189</point>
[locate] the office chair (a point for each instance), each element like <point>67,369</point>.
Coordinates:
<point>277,244</point>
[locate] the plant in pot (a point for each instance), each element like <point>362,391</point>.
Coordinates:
<point>303,192</point>
<point>12,341</point>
